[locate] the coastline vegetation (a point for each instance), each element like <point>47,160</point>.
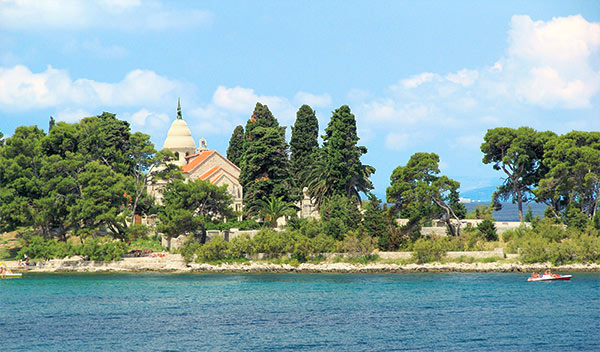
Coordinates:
<point>80,189</point>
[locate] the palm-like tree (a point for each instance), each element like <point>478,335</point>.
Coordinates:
<point>272,209</point>
<point>322,185</point>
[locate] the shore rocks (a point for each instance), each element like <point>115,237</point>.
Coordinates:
<point>175,263</point>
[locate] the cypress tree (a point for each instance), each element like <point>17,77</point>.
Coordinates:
<point>342,156</point>
<point>265,165</point>
<point>236,146</point>
<point>304,144</point>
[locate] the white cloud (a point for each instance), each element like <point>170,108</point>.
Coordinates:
<point>145,117</point>
<point>398,141</point>
<point>554,63</point>
<point>463,77</point>
<point>315,101</point>
<point>71,15</point>
<point>417,80</point>
<point>72,115</point>
<point>236,99</point>
<point>551,64</point>
<point>243,100</point>
<point>21,89</point>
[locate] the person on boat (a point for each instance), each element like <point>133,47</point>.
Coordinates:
<point>535,275</point>
<point>547,272</point>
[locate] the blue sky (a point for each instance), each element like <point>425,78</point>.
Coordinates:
<point>427,76</point>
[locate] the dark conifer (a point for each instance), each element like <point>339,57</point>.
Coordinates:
<point>236,146</point>
<point>265,164</point>
<point>345,172</point>
<point>304,144</point>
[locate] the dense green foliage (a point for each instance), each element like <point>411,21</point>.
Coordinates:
<point>235,151</point>
<point>338,171</point>
<point>419,194</point>
<point>38,247</point>
<point>572,184</point>
<point>518,153</point>
<point>548,241</point>
<point>265,170</point>
<point>80,178</point>
<point>304,143</point>
<point>187,206</point>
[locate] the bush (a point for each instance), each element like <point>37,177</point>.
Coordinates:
<point>357,246</point>
<point>215,249</point>
<point>93,249</point>
<point>534,249</point>
<point>137,231</point>
<point>428,250</point>
<point>273,243</point>
<point>242,246</point>
<point>488,229</point>
<point>189,248</point>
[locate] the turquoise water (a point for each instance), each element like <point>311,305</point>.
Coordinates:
<point>303,312</point>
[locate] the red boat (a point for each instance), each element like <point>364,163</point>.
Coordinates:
<point>551,278</point>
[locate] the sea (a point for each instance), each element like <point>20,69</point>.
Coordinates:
<point>510,211</point>
<point>299,312</point>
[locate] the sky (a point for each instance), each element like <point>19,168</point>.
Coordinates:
<point>420,76</point>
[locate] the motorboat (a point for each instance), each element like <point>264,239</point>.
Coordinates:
<point>6,273</point>
<point>551,278</point>
<point>11,275</point>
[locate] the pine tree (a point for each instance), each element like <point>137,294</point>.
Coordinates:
<point>339,170</point>
<point>304,144</point>
<point>265,165</point>
<point>236,146</point>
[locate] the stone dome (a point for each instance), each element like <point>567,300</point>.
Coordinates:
<point>179,137</point>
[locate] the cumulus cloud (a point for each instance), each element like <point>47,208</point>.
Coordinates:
<point>417,80</point>
<point>463,77</point>
<point>547,64</point>
<point>145,117</point>
<point>72,115</point>
<point>398,141</point>
<point>21,89</point>
<point>552,62</point>
<point>315,101</point>
<point>26,15</point>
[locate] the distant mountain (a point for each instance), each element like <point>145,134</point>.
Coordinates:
<point>483,194</point>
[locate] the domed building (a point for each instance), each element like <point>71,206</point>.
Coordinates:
<point>179,139</point>
<point>201,163</point>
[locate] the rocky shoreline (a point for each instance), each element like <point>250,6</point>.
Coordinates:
<point>174,263</point>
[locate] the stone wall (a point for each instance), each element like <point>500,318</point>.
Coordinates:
<point>498,252</point>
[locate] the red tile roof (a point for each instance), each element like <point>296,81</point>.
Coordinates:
<point>197,160</point>
<point>210,172</point>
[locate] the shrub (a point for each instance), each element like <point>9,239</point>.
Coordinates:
<point>189,248</point>
<point>215,249</point>
<point>273,243</point>
<point>428,250</point>
<point>137,231</point>
<point>35,247</point>
<point>534,249</point>
<point>357,246</point>
<point>488,229</point>
<point>241,246</point>
<point>93,249</point>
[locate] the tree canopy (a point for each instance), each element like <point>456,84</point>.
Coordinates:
<point>265,165</point>
<point>304,143</point>
<point>188,206</point>
<point>572,182</point>
<point>518,153</point>
<point>338,170</point>
<point>420,194</point>
<point>235,151</point>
